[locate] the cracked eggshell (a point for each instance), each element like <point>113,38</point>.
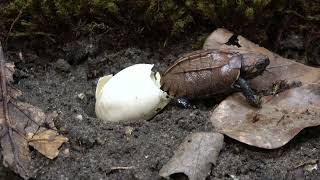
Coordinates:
<point>133,93</point>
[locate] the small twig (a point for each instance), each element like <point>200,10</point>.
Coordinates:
<point>8,122</point>
<point>282,118</point>
<point>121,168</point>
<point>3,84</point>
<point>14,22</point>
<point>26,34</point>
<point>310,162</point>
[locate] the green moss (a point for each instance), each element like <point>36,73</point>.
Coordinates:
<point>171,16</point>
<point>181,24</point>
<point>168,5</point>
<point>249,13</point>
<point>189,3</point>
<point>99,7</point>
<point>259,4</point>
<point>206,9</point>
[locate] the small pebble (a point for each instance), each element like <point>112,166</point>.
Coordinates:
<point>63,129</point>
<point>66,152</point>
<point>128,130</point>
<point>99,141</point>
<point>79,117</point>
<point>81,96</point>
<point>311,167</point>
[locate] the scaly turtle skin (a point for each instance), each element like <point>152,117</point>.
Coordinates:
<point>207,73</point>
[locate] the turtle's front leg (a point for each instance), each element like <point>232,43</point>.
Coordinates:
<point>247,92</point>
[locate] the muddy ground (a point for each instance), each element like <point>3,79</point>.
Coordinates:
<point>97,149</point>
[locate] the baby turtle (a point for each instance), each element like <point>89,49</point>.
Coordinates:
<point>207,73</point>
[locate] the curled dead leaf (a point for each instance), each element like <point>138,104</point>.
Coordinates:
<point>283,115</point>
<point>194,157</point>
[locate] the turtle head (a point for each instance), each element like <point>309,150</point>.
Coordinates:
<point>253,65</point>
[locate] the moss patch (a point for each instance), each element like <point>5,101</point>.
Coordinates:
<point>52,18</point>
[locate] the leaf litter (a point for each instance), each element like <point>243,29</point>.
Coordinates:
<point>293,102</point>
<point>23,125</point>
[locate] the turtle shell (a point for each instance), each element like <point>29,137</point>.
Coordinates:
<point>202,74</point>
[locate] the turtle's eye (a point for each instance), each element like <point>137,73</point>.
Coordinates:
<point>260,66</point>
<point>262,63</point>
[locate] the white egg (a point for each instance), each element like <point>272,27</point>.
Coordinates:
<point>133,93</point>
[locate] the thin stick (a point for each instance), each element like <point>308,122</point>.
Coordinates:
<point>14,22</point>
<point>3,83</point>
<point>122,167</point>
<point>5,109</point>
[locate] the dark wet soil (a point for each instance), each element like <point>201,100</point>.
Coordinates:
<point>99,151</point>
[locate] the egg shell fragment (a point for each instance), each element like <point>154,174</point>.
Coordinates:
<point>132,94</point>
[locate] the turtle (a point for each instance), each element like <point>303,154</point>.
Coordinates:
<point>208,73</point>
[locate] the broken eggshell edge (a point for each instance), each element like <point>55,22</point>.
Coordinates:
<point>132,94</point>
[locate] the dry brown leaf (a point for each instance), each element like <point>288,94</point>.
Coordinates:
<point>47,143</point>
<point>282,116</point>
<point>194,157</point>
<point>21,125</point>
<point>217,39</point>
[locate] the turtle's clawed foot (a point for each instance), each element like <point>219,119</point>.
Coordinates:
<point>183,103</point>
<point>254,101</point>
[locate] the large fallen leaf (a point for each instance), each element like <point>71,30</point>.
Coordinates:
<point>283,115</point>
<point>194,157</point>
<point>21,125</point>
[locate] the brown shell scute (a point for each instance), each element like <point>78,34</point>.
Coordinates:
<point>201,74</point>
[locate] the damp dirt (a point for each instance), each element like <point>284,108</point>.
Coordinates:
<point>138,150</point>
